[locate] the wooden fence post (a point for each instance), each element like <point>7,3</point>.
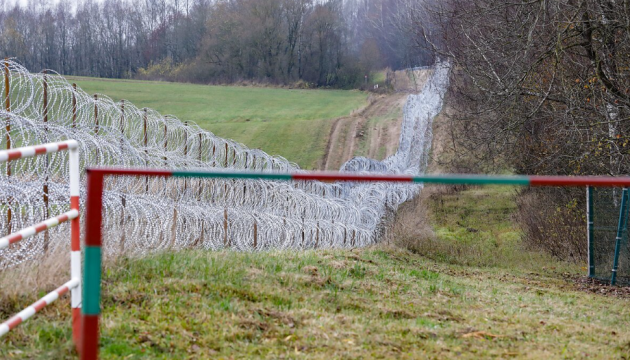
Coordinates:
<point>174,228</point>
<point>165,144</point>
<point>226,155</point>
<point>214,159</point>
<point>303,223</point>
<point>96,114</point>
<point>225,228</point>
<point>255,234</point>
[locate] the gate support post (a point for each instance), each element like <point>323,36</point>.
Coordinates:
<point>623,214</point>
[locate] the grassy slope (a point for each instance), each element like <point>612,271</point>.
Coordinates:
<point>380,302</point>
<point>291,123</point>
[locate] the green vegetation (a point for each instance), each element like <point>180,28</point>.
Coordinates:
<point>378,77</point>
<point>381,122</point>
<point>380,302</point>
<point>291,123</point>
<point>475,227</point>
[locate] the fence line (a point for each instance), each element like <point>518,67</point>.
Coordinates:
<point>74,285</point>
<point>297,215</point>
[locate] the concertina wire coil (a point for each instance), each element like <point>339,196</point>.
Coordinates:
<point>143,215</point>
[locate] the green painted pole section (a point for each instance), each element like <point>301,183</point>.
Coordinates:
<point>623,214</point>
<point>92,281</point>
<point>589,229</point>
<point>441,179</point>
<point>473,180</point>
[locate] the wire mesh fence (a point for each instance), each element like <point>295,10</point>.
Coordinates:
<point>605,213</point>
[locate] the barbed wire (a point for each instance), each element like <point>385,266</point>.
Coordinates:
<point>150,214</point>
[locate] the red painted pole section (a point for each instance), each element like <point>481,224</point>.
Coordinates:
<point>129,172</point>
<point>89,340</point>
<point>94,215</point>
<point>93,208</point>
<point>350,177</point>
<point>600,181</point>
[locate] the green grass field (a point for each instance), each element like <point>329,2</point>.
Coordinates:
<point>291,123</point>
<point>379,302</point>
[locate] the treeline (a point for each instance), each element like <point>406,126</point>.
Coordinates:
<point>540,87</point>
<point>320,43</point>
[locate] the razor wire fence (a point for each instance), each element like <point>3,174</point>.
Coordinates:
<point>149,214</point>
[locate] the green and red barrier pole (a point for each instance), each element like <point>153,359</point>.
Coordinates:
<point>92,267</point>
<point>91,309</point>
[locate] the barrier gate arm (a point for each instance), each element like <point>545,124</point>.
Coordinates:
<point>74,285</point>
<point>91,310</point>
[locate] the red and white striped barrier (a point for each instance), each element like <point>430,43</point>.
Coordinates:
<point>74,285</point>
<point>36,229</point>
<point>37,306</point>
<point>30,151</point>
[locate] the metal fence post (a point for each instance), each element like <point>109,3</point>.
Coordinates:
<point>7,106</point>
<point>623,214</point>
<point>75,244</point>
<point>74,105</point>
<point>46,157</point>
<point>91,310</point>
<point>589,230</point>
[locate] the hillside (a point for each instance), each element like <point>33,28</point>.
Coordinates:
<point>292,123</point>
<point>378,302</point>
<point>451,280</point>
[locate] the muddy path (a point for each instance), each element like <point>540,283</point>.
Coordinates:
<point>373,131</point>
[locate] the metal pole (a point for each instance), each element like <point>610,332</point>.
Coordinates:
<point>75,245</point>
<point>623,214</point>
<point>146,160</point>
<point>7,106</point>
<point>74,105</point>
<point>185,151</point>
<point>123,199</point>
<point>589,230</point>
<point>200,159</point>
<point>96,114</point>
<point>91,310</point>
<point>46,157</point>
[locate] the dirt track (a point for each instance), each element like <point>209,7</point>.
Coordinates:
<point>373,131</point>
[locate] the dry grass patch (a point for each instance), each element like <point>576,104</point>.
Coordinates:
<point>382,303</point>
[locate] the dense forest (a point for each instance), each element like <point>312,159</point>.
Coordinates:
<point>539,87</point>
<point>320,43</point>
